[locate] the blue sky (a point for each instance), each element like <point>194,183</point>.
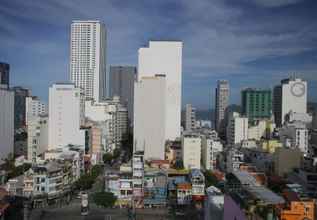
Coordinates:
<point>249,42</point>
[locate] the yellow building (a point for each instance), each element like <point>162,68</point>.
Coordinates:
<point>271,145</point>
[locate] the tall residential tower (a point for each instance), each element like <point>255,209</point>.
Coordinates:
<point>222,103</point>
<point>88,58</point>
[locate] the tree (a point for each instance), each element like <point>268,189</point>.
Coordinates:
<point>104,199</point>
<point>116,153</point>
<point>107,158</point>
<point>85,182</point>
<point>210,179</point>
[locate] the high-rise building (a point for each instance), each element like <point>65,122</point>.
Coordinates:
<point>122,84</point>
<point>34,107</point>
<point>190,117</point>
<point>6,122</point>
<point>221,105</point>
<point>112,117</point>
<point>66,116</point>
<point>291,95</point>
<point>4,74</point>
<point>88,58</point>
<point>237,129</point>
<point>20,95</point>
<point>165,57</point>
<point>149,116</point>
<point>256,104</point>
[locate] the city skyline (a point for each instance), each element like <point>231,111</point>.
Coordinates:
<point>278,41</point>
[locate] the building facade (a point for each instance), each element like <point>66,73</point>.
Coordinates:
<point>66,115</point>
<point>221,105</point>
<point>291,95</point>
<point>237,129</point>
<point>256,104</point>
<point>6,122</point>
<point>191,150</point>
<point>20,95</point>
<point>190,117</point>
<point>121,83</point>
<point>4,74</point>
<point>165,57</point>
<point>149,116</point>
<point>34,107</point>
<point>210,149</point>
<point>37,141</point>
<point>88,58</point>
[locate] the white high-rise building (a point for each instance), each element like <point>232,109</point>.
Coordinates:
<point>6,122</point>
<point>291,95</point>
<point>165,57</point>
<point>149,116</point>
<point>221,105</point>
<point>237,129</point>
<point>191,151</point>
<point>190,117</point>
<point>66,115</point>
<point>88,58</point>
<point>34,107</point>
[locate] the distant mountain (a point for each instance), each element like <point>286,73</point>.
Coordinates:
<point>205,114</point>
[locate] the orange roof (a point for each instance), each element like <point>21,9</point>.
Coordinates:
<point>159,161</point>
<point>184,186</point>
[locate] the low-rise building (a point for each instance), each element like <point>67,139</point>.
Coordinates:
<point>295,135</point>
<point>191,150</point>
<point>234,159</point>
<point>184,193</point>
<point>285,160</point>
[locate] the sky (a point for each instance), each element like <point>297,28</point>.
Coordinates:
<point>251,43</point>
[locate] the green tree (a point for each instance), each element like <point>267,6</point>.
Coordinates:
<point>116,153</point>
<point>104,199</point>
<point>107,158</point>
<point>210,179</point>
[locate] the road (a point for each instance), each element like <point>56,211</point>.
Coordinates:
<point>72,212</point>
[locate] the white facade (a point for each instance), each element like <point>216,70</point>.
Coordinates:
<point>37,129</point>
<point>149,116</point>
<point>295,135</point>
<point>190,117</point>
<point>237,129</point>
<point>234,159</point>
<point>210,148</point>
<point>66,115</point>
<point>113,117</point>
<point>6,122</point>
<point>191,150</point>
<point>34,107</point>
<point>291,95</point>
<point>165,57</point>
<point>88,58</point>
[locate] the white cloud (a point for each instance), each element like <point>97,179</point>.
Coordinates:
<point>275,3</point>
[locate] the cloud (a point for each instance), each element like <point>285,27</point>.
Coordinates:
<point>221,39</point>
<point>275,3</point>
